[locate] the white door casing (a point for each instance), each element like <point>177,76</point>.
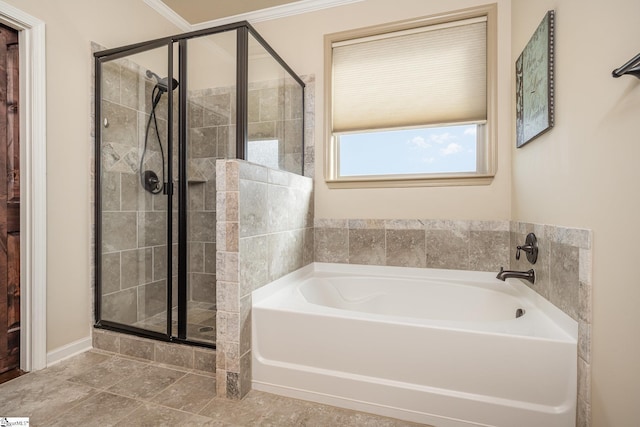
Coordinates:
<point>33,167</point>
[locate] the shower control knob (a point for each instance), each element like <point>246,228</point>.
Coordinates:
<point>530,247</point>
<point>150,182</point>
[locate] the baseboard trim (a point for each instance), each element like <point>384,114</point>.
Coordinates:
<point>69,350</point>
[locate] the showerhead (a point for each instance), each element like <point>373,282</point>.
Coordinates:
<point>162,83</point>
<point>151,74</point>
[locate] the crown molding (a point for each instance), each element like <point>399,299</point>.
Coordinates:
<point>169,14</point>
<point>297,8</point>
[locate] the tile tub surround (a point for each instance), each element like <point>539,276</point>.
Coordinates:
<point>96,389</point>
<point>563,269</point>
<point>449,244</point>
<point>563,276</point>
<point>264,231</point>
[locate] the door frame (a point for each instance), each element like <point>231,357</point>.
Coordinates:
<point>33,186</point>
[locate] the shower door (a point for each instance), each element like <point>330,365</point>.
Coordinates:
<point>134,183</point>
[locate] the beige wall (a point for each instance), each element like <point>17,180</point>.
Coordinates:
<point>584,173</point>
<point>299,40</point>
<point>70,27</point>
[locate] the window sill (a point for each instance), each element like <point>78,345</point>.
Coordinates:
<point>408,181</point>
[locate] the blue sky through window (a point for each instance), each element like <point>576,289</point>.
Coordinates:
<point>447,149</point>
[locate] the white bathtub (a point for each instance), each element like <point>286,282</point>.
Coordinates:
<point>440,347</point>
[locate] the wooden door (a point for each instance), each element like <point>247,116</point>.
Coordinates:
<point>9,201</point>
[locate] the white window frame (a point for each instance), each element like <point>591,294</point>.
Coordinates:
<point>486,153</point>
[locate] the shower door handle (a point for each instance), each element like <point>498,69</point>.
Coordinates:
<point>167,189</point>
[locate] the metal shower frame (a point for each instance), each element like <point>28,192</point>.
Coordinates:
<point>243,29</point>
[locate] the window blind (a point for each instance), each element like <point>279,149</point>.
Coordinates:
<point>417,77</point>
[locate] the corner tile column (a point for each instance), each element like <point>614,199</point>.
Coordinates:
<point>227,281</point>
<point>264,231</point>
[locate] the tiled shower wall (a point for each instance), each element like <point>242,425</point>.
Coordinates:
<point>211,136</point>
<point>134,221</point>
<point>275,113</point>
<point>264,231</point>
<point>134,242</point>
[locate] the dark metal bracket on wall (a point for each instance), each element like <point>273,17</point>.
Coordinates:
<point>632,67</point>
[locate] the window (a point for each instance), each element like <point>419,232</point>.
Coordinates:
<point>410,103</point>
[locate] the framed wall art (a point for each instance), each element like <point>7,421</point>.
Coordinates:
<point>534,83</point>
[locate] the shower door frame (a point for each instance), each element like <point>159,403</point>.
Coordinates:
<point>243,29</point>
<point>110,55</point>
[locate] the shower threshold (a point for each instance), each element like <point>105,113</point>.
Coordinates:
<point>201,322</point>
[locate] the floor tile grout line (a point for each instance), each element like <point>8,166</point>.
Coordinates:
<point>182,379</point>
<point>140,401</point>
<point>184,374</point>
<point>150,399</point>
<point>95,393</point>
<point>206,406</point>
<point>169,386</point>
<point>151,402</point>
<point>126,415</point>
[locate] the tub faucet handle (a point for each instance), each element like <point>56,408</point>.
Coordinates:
<point>526,248</point>
<point>530,247</point>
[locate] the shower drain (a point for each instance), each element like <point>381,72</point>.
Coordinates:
<point>205,329</point>
<point>519,312</point>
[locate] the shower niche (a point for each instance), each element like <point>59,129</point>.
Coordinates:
<point>165,111</point>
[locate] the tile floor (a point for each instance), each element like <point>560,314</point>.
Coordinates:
<point>102,389</point>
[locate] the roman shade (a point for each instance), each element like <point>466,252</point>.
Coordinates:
<point>415,77</point>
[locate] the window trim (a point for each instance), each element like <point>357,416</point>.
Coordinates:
<point>331,160</point>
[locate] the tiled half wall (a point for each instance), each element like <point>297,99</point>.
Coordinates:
<point>264,231</point>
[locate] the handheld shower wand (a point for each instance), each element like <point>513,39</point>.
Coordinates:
<point>148,178</point>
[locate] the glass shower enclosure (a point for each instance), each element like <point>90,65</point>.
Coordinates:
<point>165,111</point>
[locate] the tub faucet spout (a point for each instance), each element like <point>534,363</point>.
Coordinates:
<point>526,275</point>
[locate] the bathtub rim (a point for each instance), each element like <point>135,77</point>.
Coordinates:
<point>563,321</point>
